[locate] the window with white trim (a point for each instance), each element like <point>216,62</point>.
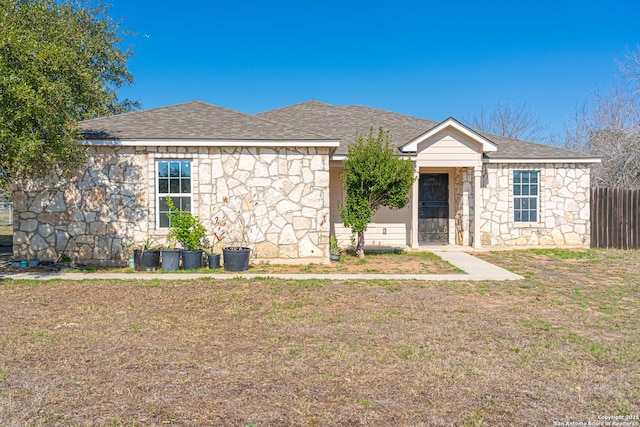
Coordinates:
<point>173,179</point>
<point>525,196</point>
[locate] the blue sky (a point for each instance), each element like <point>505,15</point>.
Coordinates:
<point>428,59</point>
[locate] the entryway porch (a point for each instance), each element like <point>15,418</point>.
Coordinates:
<point>442,207</point>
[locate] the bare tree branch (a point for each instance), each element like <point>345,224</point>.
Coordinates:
<point>607,125</point>
<point>630,68</point>
<point>511,121</point>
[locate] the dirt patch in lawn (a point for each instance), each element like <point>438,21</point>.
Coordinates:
<point>316,352</point>
<point>379,263</point>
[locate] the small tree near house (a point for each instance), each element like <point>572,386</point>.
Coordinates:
<point>375,175</point>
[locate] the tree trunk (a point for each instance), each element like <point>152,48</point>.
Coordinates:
<point>360,245</point>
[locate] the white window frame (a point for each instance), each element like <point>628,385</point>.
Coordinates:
<point>528,197</point>
<point>159,195</point>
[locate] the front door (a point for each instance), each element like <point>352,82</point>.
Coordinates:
<point>433,208</point>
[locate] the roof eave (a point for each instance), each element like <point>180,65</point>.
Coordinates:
<point>342,157</point>
<point>543,160</point>
<point>211,143</point>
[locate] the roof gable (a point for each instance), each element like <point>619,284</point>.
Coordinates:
<point>451,123</point>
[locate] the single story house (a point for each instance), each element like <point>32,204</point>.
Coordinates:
<point>472,189</point>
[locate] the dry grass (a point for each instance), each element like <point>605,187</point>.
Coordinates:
<point>411,262</point>
<point>562,345</point>
<point>379,263</point>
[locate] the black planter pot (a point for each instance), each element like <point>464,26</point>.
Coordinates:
<point>214,261</point>
<point>236,259</point>
<point>146,260</point>
<point>334,257</point>
<point>191,260</point>
<point>170,260</point>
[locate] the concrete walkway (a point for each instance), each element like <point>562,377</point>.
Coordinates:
<point>474,268</point>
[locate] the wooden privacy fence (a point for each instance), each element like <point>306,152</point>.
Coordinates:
<point>615,218</point>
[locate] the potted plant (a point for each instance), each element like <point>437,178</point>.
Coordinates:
<point>213,260</point>
<point>147,258</point>
<point>213,257</point>
<point>334,249</point>
<point>239,221</point>
<point>187,229</point>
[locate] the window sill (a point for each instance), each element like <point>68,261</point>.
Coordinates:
<point>526,224</point>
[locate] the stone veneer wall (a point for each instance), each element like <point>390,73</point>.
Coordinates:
<point>92,217</point>
<point>564,210</point>
<point>291,186</point>
<point>107,209</point>
<point>463,194</point>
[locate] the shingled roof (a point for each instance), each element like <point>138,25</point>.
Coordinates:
<point>343,122</point>
<point>307,121</point>
<point>512,149</point>
<point>191,120</point>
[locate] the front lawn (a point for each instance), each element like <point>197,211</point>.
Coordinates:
<point>562,345</point>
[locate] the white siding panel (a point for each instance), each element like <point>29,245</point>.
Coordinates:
<point>396,221</point>
<point>449,148</point>
<point>376,235</point>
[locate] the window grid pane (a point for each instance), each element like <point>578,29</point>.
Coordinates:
<point>174,169</point>
<point>185,170</point>
<point>163,186</point>
<point>174,186</point>
<point>163,169</point>
<point>525,192</point>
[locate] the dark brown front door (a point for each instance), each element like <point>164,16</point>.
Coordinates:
<point>433,208</point>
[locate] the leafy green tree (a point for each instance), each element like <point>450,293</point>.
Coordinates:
<point>375,175</point>
<point>60,62</point>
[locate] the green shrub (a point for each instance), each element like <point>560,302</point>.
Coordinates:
<point>185,228</point>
